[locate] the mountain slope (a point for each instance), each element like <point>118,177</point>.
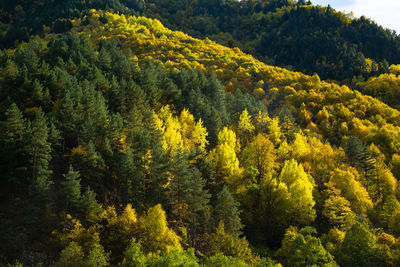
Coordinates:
<point>126,143</point>
<point>274,86</point>
<point>307,38</point>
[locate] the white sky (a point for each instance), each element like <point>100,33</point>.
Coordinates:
<point>384,12</point>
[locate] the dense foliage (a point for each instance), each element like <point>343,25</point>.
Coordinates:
<point>126,143</point>
<point>294,34</point>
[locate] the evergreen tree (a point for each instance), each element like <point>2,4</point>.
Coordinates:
<point>41,155</point>
<point>71,190</point>
<point>227,211</point>
<point>14,158</point>
<point>186,194</point>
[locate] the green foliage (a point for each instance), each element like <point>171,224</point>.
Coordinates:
<point>227,211</point>
<point>359,248</point>
<point>72,255</point>
<point>221,242</point>
<point>133,256</point>
<point>175,258</point>
<point>220,260</point>
<point>303,249</point>
<point>102,127</point>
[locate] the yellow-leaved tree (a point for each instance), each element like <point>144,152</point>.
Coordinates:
<point>224,157</point>
<point>299,186</point>
<point>180,133</point>
<point>245,127</point>
<point>155,234</point>
<point>194,134</point>
<point>170,129</point>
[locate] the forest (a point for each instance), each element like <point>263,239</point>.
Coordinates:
<point>169,133</point>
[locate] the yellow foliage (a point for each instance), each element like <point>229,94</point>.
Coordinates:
<point>128,217</point>
<point>181,132</point>
<point>245,124</point>
<point>347,181</point>
<point>155,234</point>
<point>224,156</point>
<point>78,151</point>
<point>193,133</point>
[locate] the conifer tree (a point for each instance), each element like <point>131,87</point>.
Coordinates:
<point>187,195</point>
<point>71,190</point>
<point>14,158</point>
<point>227,211</point>
<point>41,155</point>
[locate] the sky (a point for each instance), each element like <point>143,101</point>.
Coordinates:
<point>384,12</point>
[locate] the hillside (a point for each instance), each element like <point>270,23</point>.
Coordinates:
<point>126,143</point>
<point>295,34</point>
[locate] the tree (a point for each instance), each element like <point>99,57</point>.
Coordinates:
<point>41,155</point>
<point>260,154</point>
<point>299,186</point>
<point>187,195</point>
<point>154,233</point>
<point>303,249</point>
<point>97,257</point>
<point>274,131</point>
<point>71,190</point>
<point>174,258</point>
<point>358,154</point>
<point>72,256</point>
<point>133,256</point>
<point>227,211</point>
<point>119,230</point>
<point>14,158</point>
<point>337,209</point>
<point>170,129</point>
<point>359,248</point>
<point>347,180</point>
<point>193,133</point>
<point>220,260</point>
<point>221,242</point>
<point>89,205</point>
<point>224,157</point>
<point>245,126</point>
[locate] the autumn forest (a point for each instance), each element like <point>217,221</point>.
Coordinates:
<point>197,133</point>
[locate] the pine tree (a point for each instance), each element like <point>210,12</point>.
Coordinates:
<point>14,157</point>
<point>88,203</point>
<point>186,194</point>
<point>71,190</point>
<point>227,211</point>
<point>41,155</point>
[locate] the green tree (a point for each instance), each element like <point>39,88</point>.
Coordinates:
<point>41,155</point>
<point>133,256</point>
<point>227,211</point>
<point>337,209</point>
<point>221,242</point>
<point>187,195</point>
<point>97,257</point>
<point>220,260</point>
<point>245,127</point>
<point>72,256</point>
<point>71,190</point>
<point>359,248</point>
<point>303,249</point>
<point>224,157</point>
<point>154,233</point>
<point>15,147</point>
<point>175,258</point>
